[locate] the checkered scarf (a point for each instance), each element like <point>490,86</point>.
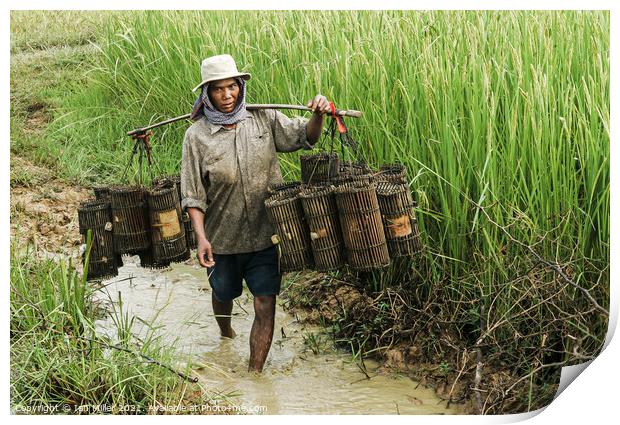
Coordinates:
<point>203,106</point>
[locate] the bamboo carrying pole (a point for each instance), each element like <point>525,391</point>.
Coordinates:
<point>251,107</point>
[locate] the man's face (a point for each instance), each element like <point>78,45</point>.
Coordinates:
<point>223,94</point>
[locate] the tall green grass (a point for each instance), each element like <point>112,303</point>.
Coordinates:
<point>506,110</point>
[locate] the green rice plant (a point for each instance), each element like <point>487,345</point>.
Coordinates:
<point>481,106</point>
<point>315,342</point>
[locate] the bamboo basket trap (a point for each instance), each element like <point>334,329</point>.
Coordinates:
<point>321,212</point>
<point>95,215</point>
<point>168,181</point>
<point>292,234</point>
<point>352,172</point>
<point>319,168</point>
<point>102,192</point>
<point>168,243</point>
<point>359,179</point>
<point>130,219</point>
<point>350,168</point>
<point>147,260</point>
<point>398,213</point>
<point>362,228</point>
<point>190,236</point>
<point>395,173</point>
<point>290,188</point>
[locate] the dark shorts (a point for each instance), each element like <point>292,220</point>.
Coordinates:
<point>259,270</point>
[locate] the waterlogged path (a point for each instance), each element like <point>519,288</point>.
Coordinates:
<point>295,380</point>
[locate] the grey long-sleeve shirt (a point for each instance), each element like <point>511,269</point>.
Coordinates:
<point>226,174</point>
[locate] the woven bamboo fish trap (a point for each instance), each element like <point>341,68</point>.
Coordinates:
<point>147,260</point>
<point>190,236</point>
<point>349,168</point>
<point>102,192</point>
<point>167,230</point>
<point>321,212</point>
<point>168,181</point>
<point>130,219</point>
<point>362,228</point>
<point>175,179</point>
<point>355,179</point>
<point>319,168</point>
<point>289,188</point>
<point>395,173</point>
<point>95,216</point>
<point>292,234</point>
<point>400,225</point>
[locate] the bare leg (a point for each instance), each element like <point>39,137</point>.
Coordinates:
<point>262,331</point>
<point>222,311</point>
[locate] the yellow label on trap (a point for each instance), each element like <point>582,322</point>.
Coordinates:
<point>169,222</point>
<point>400,226</point>
<point>321,233</point>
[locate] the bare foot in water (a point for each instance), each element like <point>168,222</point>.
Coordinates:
<point>230,333</point>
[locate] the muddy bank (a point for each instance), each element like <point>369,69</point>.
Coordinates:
<point>404,338</point>
<point>352,315</point>
<point>44,210</point>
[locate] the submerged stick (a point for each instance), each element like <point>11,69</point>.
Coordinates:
<point>251,107</point>
<point>464,361</point>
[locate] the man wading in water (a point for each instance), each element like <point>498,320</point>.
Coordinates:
<point>229,160</point>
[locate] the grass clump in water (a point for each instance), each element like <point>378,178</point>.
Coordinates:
<point>60,365</point>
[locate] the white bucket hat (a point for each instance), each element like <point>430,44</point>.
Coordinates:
<point>219,67</point>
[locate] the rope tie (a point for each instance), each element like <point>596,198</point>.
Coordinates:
<point>142,147</point>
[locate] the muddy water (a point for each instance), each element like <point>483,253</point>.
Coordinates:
<point>295,379</point>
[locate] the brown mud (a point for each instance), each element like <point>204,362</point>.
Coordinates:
<point>345,305</point>
<point>44,210</point>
